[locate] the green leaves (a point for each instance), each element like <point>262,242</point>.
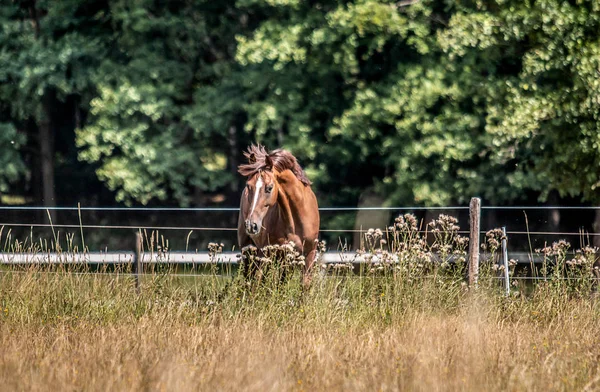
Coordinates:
<point>548,119</point>
<point>12,166</point>
<point>431,102</point>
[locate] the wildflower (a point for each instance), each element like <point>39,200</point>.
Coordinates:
<point>289,246</point>
<point>444,223</point>
<point>461,241</point>
<point>493,239</point>
<point>249,249</point>
<point>213,247</point>
<point>321,246</point>
<point>558,249</point>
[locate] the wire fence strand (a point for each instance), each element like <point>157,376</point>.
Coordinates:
<point>196,228</point>
<point>119,227</point>
<point>216,209</point>
<point>236,209</point>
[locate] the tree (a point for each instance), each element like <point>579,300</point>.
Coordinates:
<point>546,123</point>
<point>48,54</point>
<point>12,167</point>
<point>427,102</point>
<point>440,92</point>
<point>164,125</point>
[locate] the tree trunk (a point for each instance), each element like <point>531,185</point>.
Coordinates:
<point>233,154</point>
<point>46,144</point>
<point>596,227</point>
<point>369,219</point>
<point>46,139</point>
<point>554,218</point>
<point>233,165</point>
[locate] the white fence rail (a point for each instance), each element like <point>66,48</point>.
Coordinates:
<point>123,257</point>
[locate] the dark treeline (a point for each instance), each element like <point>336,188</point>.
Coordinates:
<point>384,103</point>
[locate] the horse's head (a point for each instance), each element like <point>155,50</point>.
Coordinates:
<point>261,193</point>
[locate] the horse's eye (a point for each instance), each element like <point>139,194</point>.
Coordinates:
<point>268,188</point>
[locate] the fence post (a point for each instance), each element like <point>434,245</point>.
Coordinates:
<point>474,223</point>
<point>505,258</point>
<point>137,261</point>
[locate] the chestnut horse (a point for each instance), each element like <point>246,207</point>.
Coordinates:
<point>278,205</point>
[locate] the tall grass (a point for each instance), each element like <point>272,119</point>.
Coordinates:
<point>404,321</point>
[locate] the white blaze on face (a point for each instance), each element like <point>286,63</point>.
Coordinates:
<point>259,185</point>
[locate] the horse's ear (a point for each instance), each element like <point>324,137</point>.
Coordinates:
<point>268,163</point>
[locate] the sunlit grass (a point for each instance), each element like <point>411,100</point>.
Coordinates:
<point>404,321</point>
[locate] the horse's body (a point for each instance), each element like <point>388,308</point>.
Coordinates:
<point>278,205</point>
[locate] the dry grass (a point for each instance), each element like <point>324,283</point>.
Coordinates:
<point>407,324</point>
<point>84,332</point>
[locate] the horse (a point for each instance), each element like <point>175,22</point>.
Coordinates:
<point>277,205</point>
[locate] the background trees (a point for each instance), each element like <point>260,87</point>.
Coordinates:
<point>420,102</point>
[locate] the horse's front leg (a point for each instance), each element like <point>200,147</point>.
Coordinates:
<point>254,271</point>
<point>309,263</point>
<point>298,245</point>
<point>244,240</point>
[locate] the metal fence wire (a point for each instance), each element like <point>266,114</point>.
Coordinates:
<point>11,257</point>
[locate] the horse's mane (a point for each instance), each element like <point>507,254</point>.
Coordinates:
<point>281,160</point>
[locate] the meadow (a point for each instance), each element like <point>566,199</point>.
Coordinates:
<point>402,322</point>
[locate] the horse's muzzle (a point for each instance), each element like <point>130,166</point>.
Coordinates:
<point>252,228</point>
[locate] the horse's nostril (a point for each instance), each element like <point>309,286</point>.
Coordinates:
<point>251,227</point>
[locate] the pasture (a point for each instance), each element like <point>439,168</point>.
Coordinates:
<point>403,321</point>
<point>288,133</point>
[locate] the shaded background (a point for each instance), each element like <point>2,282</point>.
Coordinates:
<point>410,103</point>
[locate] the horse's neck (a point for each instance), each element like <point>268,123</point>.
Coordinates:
<point>290,202</point>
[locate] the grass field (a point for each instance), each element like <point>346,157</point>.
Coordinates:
<point>400,328</point>
<point>88,332</point>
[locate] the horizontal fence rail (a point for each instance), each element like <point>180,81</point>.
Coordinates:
<point>91,258</point>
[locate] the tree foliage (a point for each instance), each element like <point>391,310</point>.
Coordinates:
<point>427,102</point>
